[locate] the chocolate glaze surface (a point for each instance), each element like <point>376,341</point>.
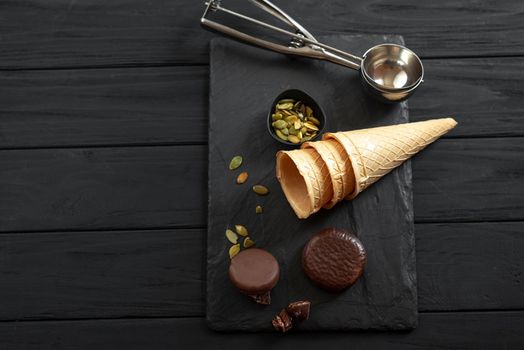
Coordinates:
<point>334,259</point>
<point>254,271</point>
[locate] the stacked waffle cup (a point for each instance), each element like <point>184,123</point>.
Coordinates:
<point>343,164</point>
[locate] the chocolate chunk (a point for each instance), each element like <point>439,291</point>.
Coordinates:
<point>334,259</point>
<point>255,272</point>
<point>299,309</point>
<point>282,322</point>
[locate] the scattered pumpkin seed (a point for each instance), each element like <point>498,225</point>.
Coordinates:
<point>261,190</point>
<point>231,236</point>
<point>234,250</point>
<point>285,131</point>
<point>276,116</point>
<point>241,230</point>
<point>259,209</point>
<point>235,162</point>
<point>248,242</point>
<point>242,177</point>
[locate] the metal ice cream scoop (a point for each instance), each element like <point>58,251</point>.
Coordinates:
<point>389,72</point>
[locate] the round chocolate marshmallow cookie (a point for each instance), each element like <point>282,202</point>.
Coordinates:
<point>255,272</point>
<point>334,259</point>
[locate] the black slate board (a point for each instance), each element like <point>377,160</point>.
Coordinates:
<point>243,82</point>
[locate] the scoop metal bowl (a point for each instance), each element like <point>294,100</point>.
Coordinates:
<point>389,72</point>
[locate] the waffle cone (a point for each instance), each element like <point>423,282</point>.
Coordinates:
<point>305,180</point>
<point>339,168</point>
<point>375,152</point>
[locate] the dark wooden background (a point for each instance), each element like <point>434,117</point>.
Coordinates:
<point>103,180</point>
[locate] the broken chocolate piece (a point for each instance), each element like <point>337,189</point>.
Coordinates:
<point>282,322</point>
<point>264,299</point>
<point>299,309</point>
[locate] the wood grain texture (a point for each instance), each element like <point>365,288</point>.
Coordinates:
<point>165,186</point>
<point>159,273</point>
<point>60,33</point>
<point>103,107</point>
<point>169,105</point>
<point>140,187</point>
<point>476,330</point>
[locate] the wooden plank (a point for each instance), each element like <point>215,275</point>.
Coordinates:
<point>169,105</point>
<point>72,275</point>
<point>476,330</point>
<point>45,33</point>
<point>469,180</point>
<point>165,186</point>
<point>103,107</point>
<point>102,274</point>
<point>99,188</point>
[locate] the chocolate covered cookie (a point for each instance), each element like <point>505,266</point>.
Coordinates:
<point>334,259</point>
<point>255,272</point>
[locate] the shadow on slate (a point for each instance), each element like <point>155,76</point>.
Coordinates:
<point>243,82</point>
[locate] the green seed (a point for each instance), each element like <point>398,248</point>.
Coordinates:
<point>231,236</point>
<point>291,119</point>
<point>284,106</point>
<point>292,130</point>
<point>279,124</point>
<point>259,209</point>
<point>260,190</point>
<point>285,131</point>
<point>235,162</point>
<point>314,120</point>
<point>234,250</point>
<point>309,112</point>
<point>241,230</point>
<point>311,126</point>
<point>293,139</point>
<point>281,135</point>
<point>248,242</point>
<point>276,116</point>
<point>303,130</point>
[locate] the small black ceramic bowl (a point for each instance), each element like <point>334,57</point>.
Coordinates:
<point>296,95</point>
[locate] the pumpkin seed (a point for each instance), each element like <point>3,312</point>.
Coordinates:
<point>303,130</point>
<point>234,250</point>
<point>299,134</point>
<point>311,126</point>
<point>242,177</point>
<point>309,112</point>
<point>286,105</point>
<point>291,119</point>
<point>293,139</point>
<point>241,230</point>
<point>231,236</point>
<point>281,135</point>
<point>286,100</point>
<point>292,130</point>
<point>259,209</point>
<point>248,242</point>
<point>235,162</point>
<point>297,125</point>
<point>280,124</point>
<point>285,131</point>
<point>314,120</point>
<point>276,116</point>
<point>262,190</point>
